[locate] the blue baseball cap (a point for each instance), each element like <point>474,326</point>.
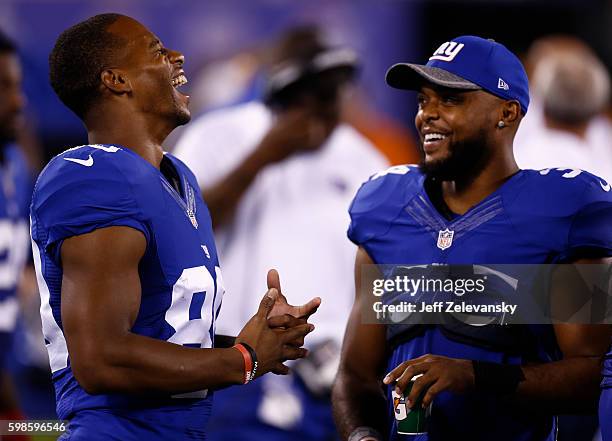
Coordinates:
<point>469,63</point>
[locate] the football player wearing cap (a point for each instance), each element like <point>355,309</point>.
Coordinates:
<point>278,175</point>
<point>466,203</point>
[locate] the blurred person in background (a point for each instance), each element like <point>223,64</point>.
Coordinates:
<point>238,79</point>
<point>566,126</point>
<point>278,176</point>
<point>15,192</point>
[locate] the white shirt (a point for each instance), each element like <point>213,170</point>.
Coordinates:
<point>538,146</point>
<point>293,217</point>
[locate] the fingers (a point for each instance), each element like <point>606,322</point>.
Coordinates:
<point>280,369</point>
<point>438,374</point>
<point>293,353</point>
<point>266,304</point>
<point>399,370</point>
<point>297,342</point>
<point>433,390</point>
<point>309,308</point>
<point>419,388</point>
<point>296,333</point>
<point>408,374</point>
<point>285,321</point>
<point>273,280</point>
<point>396,373</point>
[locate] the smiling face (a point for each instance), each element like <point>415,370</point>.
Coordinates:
<point>154,72</point>
<point>12,100</point>
<point>456,129</point>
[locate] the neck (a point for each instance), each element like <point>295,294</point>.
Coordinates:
<point>130,129</point>
<point>462,194</point>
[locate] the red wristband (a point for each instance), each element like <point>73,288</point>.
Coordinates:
<point>248,361</point>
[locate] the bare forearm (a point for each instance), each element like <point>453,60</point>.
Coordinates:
<point>566,386</point>
<point>571,384</point>
<point>357,402</point>
<point>223,198</point>
<point>137,364</point>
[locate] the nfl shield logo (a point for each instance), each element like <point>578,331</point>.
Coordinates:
<point>445,239</point>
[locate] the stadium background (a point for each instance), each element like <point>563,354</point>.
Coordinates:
<point>222,40</point>
<point>382,31</point>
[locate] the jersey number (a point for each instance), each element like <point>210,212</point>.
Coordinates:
<point>569,172</point>
<point>191,311</point>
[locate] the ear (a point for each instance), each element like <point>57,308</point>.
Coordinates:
<point>510,112</point>
<point>116,81</point>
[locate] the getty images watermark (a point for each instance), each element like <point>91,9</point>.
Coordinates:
<point>485,294</point>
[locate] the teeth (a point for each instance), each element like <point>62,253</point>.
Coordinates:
<point>434,137</point>
<point>179,81</point>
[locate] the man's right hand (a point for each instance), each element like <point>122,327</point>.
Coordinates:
<point>294,131</point>
<point>273,346</point>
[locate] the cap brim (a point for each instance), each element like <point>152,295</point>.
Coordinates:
<point>412,76</point>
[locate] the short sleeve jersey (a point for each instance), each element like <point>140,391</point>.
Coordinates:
<point>98,186</point>
<point>535,217</point>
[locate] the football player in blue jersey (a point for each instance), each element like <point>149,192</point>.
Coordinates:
<point>125,257</point>
<point>15,193</point>
<point>468,202</point>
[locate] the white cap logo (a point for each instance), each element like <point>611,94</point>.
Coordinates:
<point>447,51</point>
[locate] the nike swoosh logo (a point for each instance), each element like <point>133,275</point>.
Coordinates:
<point>86,162</point>
<point>606,187</point>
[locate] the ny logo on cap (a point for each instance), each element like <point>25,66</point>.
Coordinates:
<point>447,51</point>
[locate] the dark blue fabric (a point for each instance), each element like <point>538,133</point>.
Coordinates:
<point>535,217</point>
<point>113,186</point>
<point>236,415</point>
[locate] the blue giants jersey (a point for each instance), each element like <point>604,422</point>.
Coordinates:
<point>535,217</point>
<point>15,194</point>
<point>98,186</point>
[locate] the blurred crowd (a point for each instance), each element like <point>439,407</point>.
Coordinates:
<point>284,138</point>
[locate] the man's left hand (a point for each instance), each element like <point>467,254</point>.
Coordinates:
<point>282,307</point>
<point>439,374</point>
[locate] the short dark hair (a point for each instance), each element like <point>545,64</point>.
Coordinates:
<point>80,54</point>
<point>6,44</point>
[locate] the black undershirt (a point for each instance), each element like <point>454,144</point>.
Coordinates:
<point>433,188</point>
<point>169,171</point>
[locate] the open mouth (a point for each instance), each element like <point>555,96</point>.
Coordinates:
<point>179,81</point>
<point>431,138</point>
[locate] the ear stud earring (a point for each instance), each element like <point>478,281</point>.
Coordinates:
<point>501,124</point>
